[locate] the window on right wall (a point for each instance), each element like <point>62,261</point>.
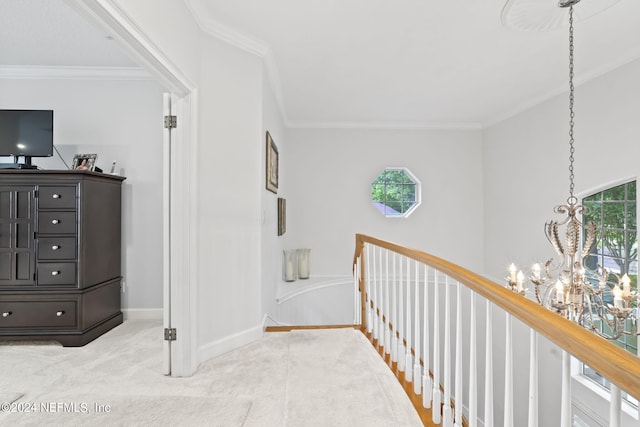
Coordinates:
<point>614,210</point>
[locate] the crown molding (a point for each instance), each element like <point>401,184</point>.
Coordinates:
<point>381,125</point>
<point>224,32</point>
<point>72,72</point>
<point>244,42</point>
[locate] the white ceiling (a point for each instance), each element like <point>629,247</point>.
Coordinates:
<point>49,33</point>
<point>407,63</point>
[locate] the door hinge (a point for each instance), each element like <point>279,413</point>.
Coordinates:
<point>170,122</point>
<point>36,194</point>
<point>169,334</point>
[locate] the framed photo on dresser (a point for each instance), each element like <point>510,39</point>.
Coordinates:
<point>84,162</point>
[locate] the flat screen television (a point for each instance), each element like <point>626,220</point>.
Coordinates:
<point>27,134</point>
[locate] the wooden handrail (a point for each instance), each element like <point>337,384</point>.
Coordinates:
<point>614,363</point>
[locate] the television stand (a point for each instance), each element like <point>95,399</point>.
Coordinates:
<point>17,166</point>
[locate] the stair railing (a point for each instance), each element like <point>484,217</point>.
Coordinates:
<point>404,304</point>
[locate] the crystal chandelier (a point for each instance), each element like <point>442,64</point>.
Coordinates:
<point>598,299</point>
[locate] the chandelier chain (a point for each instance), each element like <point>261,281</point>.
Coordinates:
<point>571,112</point>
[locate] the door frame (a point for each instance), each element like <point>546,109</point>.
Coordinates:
<point>180,285</point>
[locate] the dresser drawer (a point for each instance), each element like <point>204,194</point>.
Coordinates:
<point>56,273</point>
<point>56,248</point>
<point>57,222</point>
<point>57,197</point>
<point>42,314</point>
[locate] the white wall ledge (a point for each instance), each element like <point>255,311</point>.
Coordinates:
<point>289,290</point>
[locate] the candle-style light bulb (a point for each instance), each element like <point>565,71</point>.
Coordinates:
<point>626,285</point>
<point>513,273</point>
<point>617,297</point>
<point>520,280</point>
<point>535,271</point>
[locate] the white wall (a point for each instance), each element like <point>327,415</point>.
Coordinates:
<point>122,121</point>
<point>230,182</point>
<point>526,158</point>
<point>272,244</point>
<point>525,174</point>
<point>170,27</point>
<point>331,174</point>
<point>228,144</point>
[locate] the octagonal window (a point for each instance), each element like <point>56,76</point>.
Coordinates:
<point>395,192</point>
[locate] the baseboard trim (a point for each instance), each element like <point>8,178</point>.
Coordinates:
<point>296,328</point>
<point>227,344</point>
<point>142,313</point>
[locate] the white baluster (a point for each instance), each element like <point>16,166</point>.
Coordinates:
<point>417,373</point>
<point>408,373</point>
<point>374,268</point>
<point>426,377</point>
<point>458,369</point>
<point>615,407</point>
<point>356,289</point>
<point>381,334</point>
<point>367,260</point>
<point>565,400</point>
<point>508,373</point>
<point>447,415</point>
<point>387,320</point>
<point>394,311</point>
<point>473,364</point>
<point>533,379</point>
<point>401,357</point>
<point>436,415</point>
<point>488,369</point>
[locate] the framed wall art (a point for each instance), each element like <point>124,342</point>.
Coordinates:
<point>84,162</point>
<point>272,165</point>
<point>282,216</point>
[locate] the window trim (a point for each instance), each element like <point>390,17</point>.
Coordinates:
<point>418,193</point>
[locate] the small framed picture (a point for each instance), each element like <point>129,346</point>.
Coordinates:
<point>282,216</point>
<point>272,165</point>
<point>84,162</point>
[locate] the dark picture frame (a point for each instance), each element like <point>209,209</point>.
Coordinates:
<point>282,216</point>
<point>272,165</point>
<point>84,162</point>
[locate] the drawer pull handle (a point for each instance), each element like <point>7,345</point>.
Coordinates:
<point>6,314</point>
<point>56,196</point>
<point>55,247</point>
<point>59,313</point>
<point>55,221</point>
<point>55,273</point>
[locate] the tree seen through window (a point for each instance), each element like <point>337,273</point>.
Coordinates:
<point>395,192</point>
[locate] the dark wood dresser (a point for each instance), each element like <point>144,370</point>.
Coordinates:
<point>60,255</point>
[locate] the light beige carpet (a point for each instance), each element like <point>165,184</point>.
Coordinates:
<point>302,378</point>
